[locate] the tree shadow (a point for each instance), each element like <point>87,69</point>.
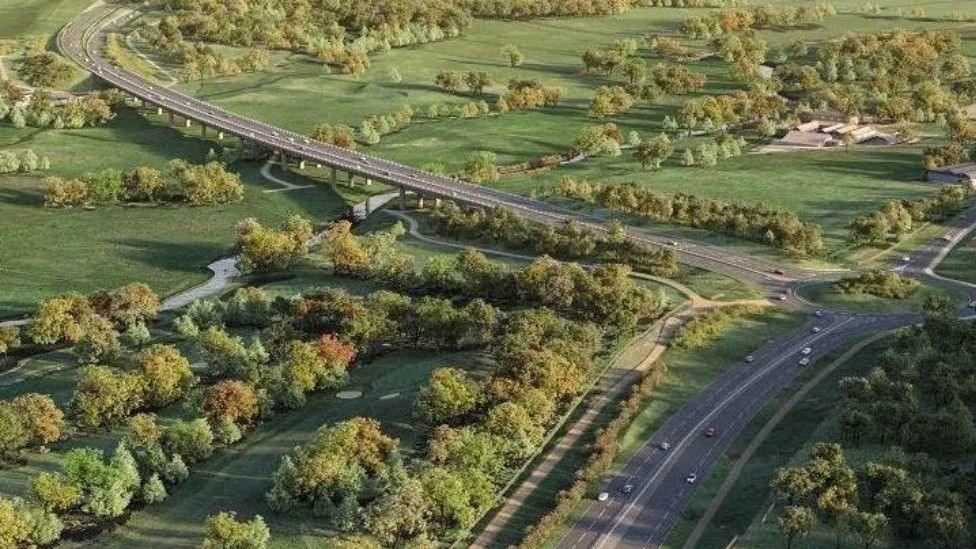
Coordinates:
<point>171,256</point>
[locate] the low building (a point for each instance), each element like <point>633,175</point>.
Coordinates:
<point>796,138</point>
<point>957,174</point>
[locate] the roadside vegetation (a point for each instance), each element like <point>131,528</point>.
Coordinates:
<point>879,283</point>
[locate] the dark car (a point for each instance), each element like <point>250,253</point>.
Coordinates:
<point>710,432</point>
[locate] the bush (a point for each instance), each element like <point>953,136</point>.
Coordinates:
<point>703,329</point>
<point>192,440</point>
<point>224,531</point>
<point>879,283</point>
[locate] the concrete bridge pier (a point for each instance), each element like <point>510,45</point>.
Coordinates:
<point>159,111</point>
<point>420,201</point>
<point>220,136</point>
<point>301,164</point>
<point>437,202</point>
<point>187,122</point>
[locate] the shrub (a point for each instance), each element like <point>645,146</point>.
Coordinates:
<point>879,283</point>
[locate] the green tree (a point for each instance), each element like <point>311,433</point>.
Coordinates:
<point>869,527</point>
<point>449,396</point>
<point>795,522</point>
<point>448,80</point>
<point>477,81</point>
<point>653,152</point>
<point>225,531</point>
<point>513,55</point>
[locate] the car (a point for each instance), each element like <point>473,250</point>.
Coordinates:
<point>673,243</point>
<point>691,478</point>
<point>972,304</point>
<point>780,272</point>
<point>710,431</point>
<point>816,329</point>
<point>804,361</point>
<point>664,446</point>
<point>945,238</point>
<point>906,258</point>
<point>806,351</point>
<point>782,297</point>
<point>750,358</point>
<point>628,488</point>
<point>818,313</point>
<point>603,496</point>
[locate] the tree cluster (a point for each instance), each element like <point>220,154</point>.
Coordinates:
<point>46,70</point>
<point>182,183</point>
<point>756,17</point>
<point>570,242</point>
<point>736,109</point>
<point>23,161</point>
<point>529,94</point>
<point>28,421</point>
<point>262,248</point>
<point>41,111</point>
<point>758,223</point>
<point>879,283</point>
<point>897,218</point>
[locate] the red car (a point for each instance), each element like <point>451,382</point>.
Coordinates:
<point>710,432</point>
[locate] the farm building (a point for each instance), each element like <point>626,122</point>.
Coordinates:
<point>829,133</point>
<point>960,173</point>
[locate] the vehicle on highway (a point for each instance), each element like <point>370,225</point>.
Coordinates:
<point>710,431</point>
<point>664,446</point>
<point>816,329</point>
<point>806,351</point>
<point>906,258</point>
<point>780,272</point>
<point>750,358</point>
<point>818,313</point>
<point>804,361</point>
<point>628,488</point>
<point>673,243</point>
<point>782,297</point>
<point>603,496</point>
<point>691,478</point>
<point>972,304</point>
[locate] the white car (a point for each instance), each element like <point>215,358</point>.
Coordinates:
<point>818,313</point>
<point>691,478</point>
<point>906,258</point>
<point>816,329</point>
<point>664,446</point>
<point>604,496</point>
<point>628,488</point>
<point>804,361</point>
<point>782,297</point>
<point>750,358</point>
<point>806,351</point>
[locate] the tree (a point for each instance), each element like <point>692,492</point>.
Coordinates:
<point>192,440</point>
<point>795,522</point>
<point>610,100</point>
<point>59,319</point>
<point>231,400</point>
<point>54,492</point>
<point>513,55</point>
<point>263,249</point>
<point>635,69</point>
<point>869,527</point>
<point>153,490</point>
<point>167,375</point>
<point>225,531</point>
<point>9,338</point>
<point>46,70</point>
<point>448,396</point>
<point>23,524</point>
<point>477,81</point>
<point>480,167</point>
<point>448,80</point>
<point>40,416</point>
<point>144,183</point>
<point>105,396</point>
<point>653,152</point>
<point>399,516</point>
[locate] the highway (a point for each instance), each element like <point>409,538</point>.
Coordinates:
<point>660,493</point>
<point>82,39</point>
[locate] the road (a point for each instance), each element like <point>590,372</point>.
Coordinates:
<point>645,516</point>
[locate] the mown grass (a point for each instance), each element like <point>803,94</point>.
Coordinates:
<point>49,251</point>
<point>749,498</point>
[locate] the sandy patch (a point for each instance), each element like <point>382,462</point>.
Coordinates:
<point>389,396</point>
<point>349,395</point>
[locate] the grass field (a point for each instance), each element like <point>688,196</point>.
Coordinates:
<point>749,498</point>
<point>47,251</point>
<point>826,188</point>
